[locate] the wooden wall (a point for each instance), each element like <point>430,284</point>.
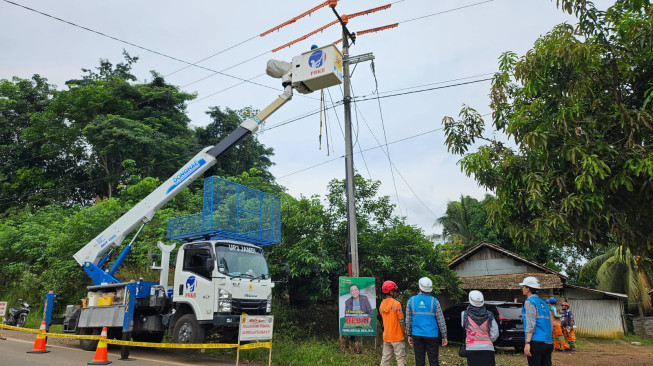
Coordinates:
<point>490,262</point>
<point>643,326</point>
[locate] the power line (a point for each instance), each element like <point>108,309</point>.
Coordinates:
<point>211,56</point>
<point>365,150</point>
<point>385,137</point>
<point>132,44</point>
<point>446,11</point>
<point>367,98</point>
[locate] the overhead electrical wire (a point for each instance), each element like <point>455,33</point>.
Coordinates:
<point>385,137</point>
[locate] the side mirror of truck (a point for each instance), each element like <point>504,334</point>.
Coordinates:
<point>210,266</point>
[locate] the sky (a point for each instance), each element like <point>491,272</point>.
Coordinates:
<point>437,44</point>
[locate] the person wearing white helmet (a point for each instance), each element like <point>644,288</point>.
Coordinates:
<point>537,325</point>
<point>425,323</point>
<point>481,330</point>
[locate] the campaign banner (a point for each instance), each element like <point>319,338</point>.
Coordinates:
<point>357,306</point>
<point>255,327</point>
<point>3,308</point>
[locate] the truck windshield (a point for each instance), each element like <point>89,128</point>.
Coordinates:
<point>241,261</point>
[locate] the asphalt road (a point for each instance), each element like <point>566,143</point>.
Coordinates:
<point>65,352</point>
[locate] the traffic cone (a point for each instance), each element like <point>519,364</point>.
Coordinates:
<point>100,357</point>
<point>39,343</point>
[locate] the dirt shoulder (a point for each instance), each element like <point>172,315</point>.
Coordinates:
<point>603,352</point>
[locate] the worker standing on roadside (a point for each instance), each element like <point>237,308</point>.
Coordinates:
<point>393,326</point>
<point>559,343</point>
<point>424,324</point>
<point>537,325</point>
<point>568,326</point>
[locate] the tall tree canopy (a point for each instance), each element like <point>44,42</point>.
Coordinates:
<point>578,107</point>
<point>144,124</point>
<point>465,224</point>
<point>40,157</point>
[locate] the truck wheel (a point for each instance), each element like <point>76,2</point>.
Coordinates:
<point>88,344</point>
<point>187,330</point>
<point>21,320</point>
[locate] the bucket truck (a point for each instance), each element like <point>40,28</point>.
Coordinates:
<point>211,286</point>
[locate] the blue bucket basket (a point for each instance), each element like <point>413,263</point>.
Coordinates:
<point>231,211</point>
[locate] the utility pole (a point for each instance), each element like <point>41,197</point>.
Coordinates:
<point>352,230</point>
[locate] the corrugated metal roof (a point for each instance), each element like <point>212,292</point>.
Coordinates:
<point>611,294</point>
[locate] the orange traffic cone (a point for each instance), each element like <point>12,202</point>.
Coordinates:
<point>100,357</point>
<point>39,343</point>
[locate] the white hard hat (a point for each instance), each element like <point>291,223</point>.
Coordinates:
<point>425,284</point>
<point>531,282</point>
<point>476,298</point>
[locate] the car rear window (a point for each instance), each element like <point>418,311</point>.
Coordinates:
<point>509,312</point>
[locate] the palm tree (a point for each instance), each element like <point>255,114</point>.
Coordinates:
<point>456,223</point>
<point>618,270</point>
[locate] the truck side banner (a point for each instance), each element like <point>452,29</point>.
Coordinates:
<point>357,306</point>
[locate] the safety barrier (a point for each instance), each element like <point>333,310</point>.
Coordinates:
<point>146,344</point>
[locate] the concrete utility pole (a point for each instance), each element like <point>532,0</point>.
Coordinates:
<point>352,229</point>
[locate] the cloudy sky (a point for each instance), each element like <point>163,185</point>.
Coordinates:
<point>438,43</point>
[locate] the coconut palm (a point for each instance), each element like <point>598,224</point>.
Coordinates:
<point>618,270</point>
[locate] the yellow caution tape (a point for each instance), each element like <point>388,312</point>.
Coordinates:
<point>73,336</point>
<point>145,344</point>
<point>19,329</point>
<point>171,345</point>
<point>256,345</point>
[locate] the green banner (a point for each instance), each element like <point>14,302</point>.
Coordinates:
<point>357,305</point>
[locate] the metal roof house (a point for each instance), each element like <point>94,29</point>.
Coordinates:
<point>497,272</point>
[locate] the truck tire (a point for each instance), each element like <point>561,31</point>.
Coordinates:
<point>188,330</point>
<point>87,344</point>
<point>21,320</point>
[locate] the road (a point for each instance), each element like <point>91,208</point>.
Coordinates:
<point>64,352</point>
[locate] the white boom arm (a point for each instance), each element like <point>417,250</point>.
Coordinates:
<point>313,70</point>
<point>143,212</point>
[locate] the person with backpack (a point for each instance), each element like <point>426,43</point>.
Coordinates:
<point>425,324</point>
<point>481,330</point>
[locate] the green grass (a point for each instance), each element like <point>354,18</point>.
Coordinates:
<point>329,352</point>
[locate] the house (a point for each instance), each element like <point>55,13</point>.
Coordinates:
<point>497,273</point>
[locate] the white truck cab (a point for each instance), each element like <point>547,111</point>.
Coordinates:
<point>221,279</point>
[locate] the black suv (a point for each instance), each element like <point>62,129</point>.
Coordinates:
<point>507,315</point>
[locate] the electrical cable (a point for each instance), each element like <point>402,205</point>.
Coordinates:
<point>446,11</point>
<point>131,44</point>
<point>385,137</point>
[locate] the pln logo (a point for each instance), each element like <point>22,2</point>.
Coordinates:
<point>191,284</point>
<point>316,59</point>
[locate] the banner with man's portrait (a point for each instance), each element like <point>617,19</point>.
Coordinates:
<point>357,306</point>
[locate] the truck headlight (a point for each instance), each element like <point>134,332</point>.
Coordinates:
<point>224,301</point>
<point>268,305</point>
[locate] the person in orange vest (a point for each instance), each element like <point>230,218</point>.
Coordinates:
<point>559,343</point>
<point>568,326</point>
<point>393,326</point>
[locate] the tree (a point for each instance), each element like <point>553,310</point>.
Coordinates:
<point>249,153</point>
<point>618,270</point>
<point>144,124</point>
<point>466,224</point>
<point>578,108</point>
<point>40,157</point>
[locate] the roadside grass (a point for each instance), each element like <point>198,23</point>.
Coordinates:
<point>328,352</point>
